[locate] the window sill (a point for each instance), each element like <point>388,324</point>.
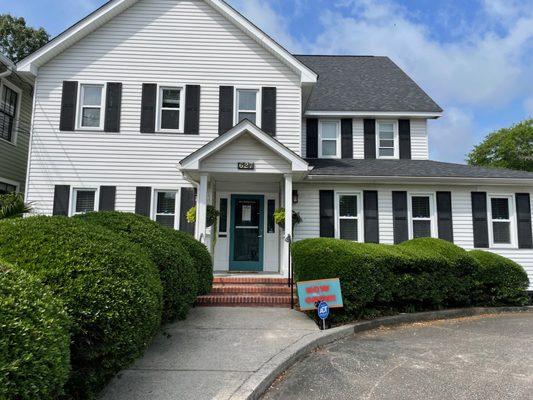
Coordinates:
<point>330,157</point>
<point>170,132</point>
<point>12,143</point>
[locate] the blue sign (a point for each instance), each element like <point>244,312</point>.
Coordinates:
<point>323,310</point>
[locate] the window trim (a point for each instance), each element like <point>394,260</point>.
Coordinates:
<point>14,134</point>
<point>80,106</point>
<point>338,138</point>
<point>159,107</point>
<point>258,104</point>
<point>512,221</point>
<point>396,137</point>
<point>432,212</point>
<point>74,195</point>
<point>360,216</point>
<point>177,205</point>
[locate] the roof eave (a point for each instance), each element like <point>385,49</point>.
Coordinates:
<point>380,114</point>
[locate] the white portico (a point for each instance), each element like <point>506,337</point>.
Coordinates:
<point>246,175</point>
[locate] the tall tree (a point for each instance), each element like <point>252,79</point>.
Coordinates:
<point>506,148</point>
<point>18,40</point>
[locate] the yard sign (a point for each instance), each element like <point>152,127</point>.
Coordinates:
<point>328,290</point>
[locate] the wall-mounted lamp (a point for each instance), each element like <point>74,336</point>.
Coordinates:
<point>294,197</point>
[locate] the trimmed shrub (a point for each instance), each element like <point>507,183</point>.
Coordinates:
<point>110,288</point>
<point>176,269</point>
<point>501,281</point>
<point>201,259</point>
<point>34,338</point>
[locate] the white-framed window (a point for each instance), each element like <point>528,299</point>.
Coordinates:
<point>349,216</point>
<point>91,106</point>
<point>10,100</point>
<point>329,139</point>
<point>502,227</point>
<point>170,115</point>
<point>84,200</point>
<point>422,219</point>
<point>387,139</point>
<point>248,105</point>
<point>166,208</point>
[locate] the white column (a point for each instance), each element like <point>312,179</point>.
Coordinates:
<point>201,209</point>
<point>288,223</point>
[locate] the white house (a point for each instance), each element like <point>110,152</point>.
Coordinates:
<point>146,105</point>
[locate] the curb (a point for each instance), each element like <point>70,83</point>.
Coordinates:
<point>260,381</point>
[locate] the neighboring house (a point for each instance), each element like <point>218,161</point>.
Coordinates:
<point>15,116</point>
<point>145,106</point>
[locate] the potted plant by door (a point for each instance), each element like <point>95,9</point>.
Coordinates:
<point>279,218</point>
<point>211,220</point>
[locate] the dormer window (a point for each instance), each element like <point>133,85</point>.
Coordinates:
<point>387,139</point>
<point>247,104</point>
<point>329,139</point>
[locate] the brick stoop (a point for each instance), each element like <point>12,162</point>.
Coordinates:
<point>247,291</point>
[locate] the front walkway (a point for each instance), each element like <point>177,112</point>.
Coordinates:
<point>210,354</point>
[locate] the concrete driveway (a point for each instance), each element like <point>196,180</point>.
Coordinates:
<point>486,357</point>
<point>211,354</point>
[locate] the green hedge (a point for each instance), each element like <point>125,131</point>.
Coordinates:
<point>176,269</point>
<point>421,274</point>
<point>201,258</point>
<point>501,281</point>
<point>34,338</point>
<point>110,288</point>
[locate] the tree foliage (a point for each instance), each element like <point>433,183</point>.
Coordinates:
<point>506,148</point>
<point>18,40</point>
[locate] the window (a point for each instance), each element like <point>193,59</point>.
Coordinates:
<point>349,221</point>
<point>170,109</point>
<point>223,224</point>
<point>421,212</point>
<point>165,212</point>
<point>247,105</point>
<point>9,100</point>
<point>84,201</point>
<point>501,220</point>
<point>386,139</point>
<point>329,143</point>
<point>6,188</point>
<point>91,106</point>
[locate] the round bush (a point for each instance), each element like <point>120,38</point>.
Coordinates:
<point>502,281</point>
<point>201,259</point>
<point>34,338</point>
<point>110,288</point>
<point>176,270</point>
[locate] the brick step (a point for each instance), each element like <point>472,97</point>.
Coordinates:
<point>244,300</point>
<point>249,280</point>
<point>247,288</point>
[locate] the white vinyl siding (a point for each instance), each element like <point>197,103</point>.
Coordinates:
<point>180,42</point>
<point>419,139</point>
<point>308,207</point>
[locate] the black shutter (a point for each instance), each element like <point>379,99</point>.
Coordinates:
<point>192,110</point>
<point>444,215</point>
<point>113,101</point>
<point>61,200</point>
<point>523,216</point>
<point>107,198</point>
<point>399,216</point>
<point>479,219</point>
<point>404,131</point>
<point>347,138</point>
<point>225,109</point>
<point>268,115</point>
<point>186,202</point>
<point>69,98</point>
<point>370,138</point>
<point>327,215</point>
<point>371,216</point>
<point>312,138</point>
<point>148,107</point>
<point>143,199</point>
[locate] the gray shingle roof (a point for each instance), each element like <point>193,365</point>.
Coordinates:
<point>364,83</point>
<point>409,168</point>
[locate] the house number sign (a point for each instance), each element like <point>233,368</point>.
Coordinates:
<point>245,165</point>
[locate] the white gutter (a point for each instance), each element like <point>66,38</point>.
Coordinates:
<point>6,73</point>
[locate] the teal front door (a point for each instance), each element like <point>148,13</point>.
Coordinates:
<point>246,236</point>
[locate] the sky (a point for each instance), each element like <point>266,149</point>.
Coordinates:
<point>473,57</point>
